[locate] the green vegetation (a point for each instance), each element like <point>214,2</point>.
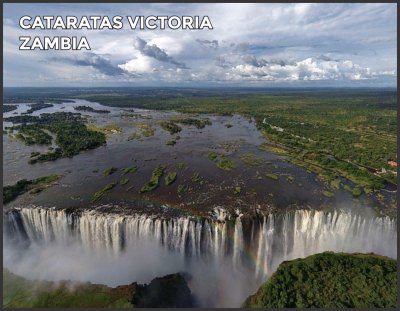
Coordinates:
<point>291,179</point>
<point>72,135</point>
<point>330,280</point>
<point>170,127</point>
<point>34,186</point>
<point>195,122</point>
<point>99,194</point>
<point>154,180</point>
<point>350,133</point>
<point>196,178</point>
<point>222,162</point>
<point>182,189</point>
<point>90,109</point>
<point>251,159</point>
<point>341,132</point>
<point>22,293</point>
<point>109,171</point>
<point>131,169</point>
<point>213,156</point>
<point>170,178</point>
<point>226,164</point>
<point>146,129</point>
<point>134,136</point>
<point>33,135</point>
<point>237,190</point>
<point>170,142</point>
<point>272,176</point>
<point>182,166</point>
<point>8,108</point>
<point>111,129</point>
<point>124,181</point>
<point>35,107</point>
<point>167,291</point>
<point>328,194</point>
<point>356,192</point>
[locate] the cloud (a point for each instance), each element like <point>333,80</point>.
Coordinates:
<point>208,43</point>
<point>155,52</point>
<point>309,69</point>
<point>253,61</point>
<point>89,59</point>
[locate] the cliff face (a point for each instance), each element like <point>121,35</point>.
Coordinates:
<point>168,291</point>
<point>328,279</point>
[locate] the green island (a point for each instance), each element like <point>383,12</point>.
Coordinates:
<point>171,127</point>
<point>36,107</point>
<point>251,159</point>
<point>330,280</point>
<point>272,176</point>
<point>167,291</point>
<point>198,123</point>
<point>90,109</point>
<point>124,181</point>
<point>72,135</point>
<point>109,171</point>
<point>99,194</point>
<point>170,178</point>
<point>171,142</point>
<point>131,169</point>
<point>8,108</point>
<point>221,161</point>
<point>33,186</point>
<point>154,180</point>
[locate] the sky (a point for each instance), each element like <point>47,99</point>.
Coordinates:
<point>260,45</point>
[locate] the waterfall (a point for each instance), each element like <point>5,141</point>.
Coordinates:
<point>271,239</point>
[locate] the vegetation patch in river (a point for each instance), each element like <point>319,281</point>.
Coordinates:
<point>225,164</point>
<point>272,176</point>
<point>131,169</point>
<point>8,108</point>
<point>221,161</point>
<point>198,123</point>
<point>182,188</point>
<point>99,194</point>
<point>134,136</point>
<point>154,180</point>
<point>171,127</point>
<point>291,178</point>
<point>356,192</point>
<point>32,134</point>
<point>170,178</point>
<point>146,129</point>
<point>124,181</point>
<point>171,142</point>
<point>110,171</point>
<point>251,159</point>
<point>72,135</point>
<point>34,186</point>
<point>328,194</point>
<point>90,109</point>
<point>36,107</point>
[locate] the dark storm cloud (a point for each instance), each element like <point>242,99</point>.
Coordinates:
<point>254,61</point>
<point>155,52</point>
<point>93,60</point>
<point>208,43</point>
<point>222,62</point>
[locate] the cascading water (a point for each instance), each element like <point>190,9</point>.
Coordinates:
<point>261,243</point>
